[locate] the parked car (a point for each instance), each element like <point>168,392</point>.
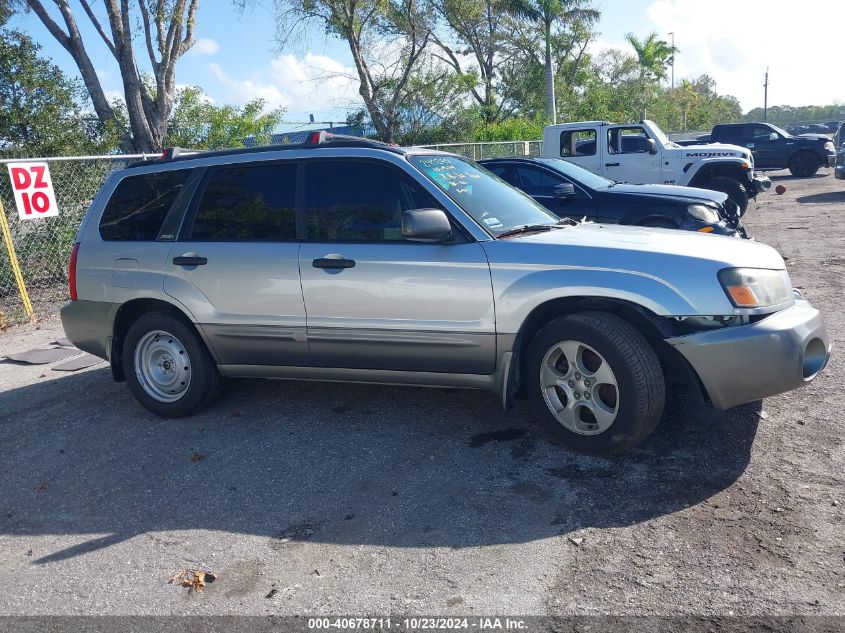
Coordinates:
<point>641,153</point>
<point>839,137</point>
<point>568,190</point>
<point>346,259</point>
<point>774,148</point>
<point>840,164</point>
<point>701,139</point>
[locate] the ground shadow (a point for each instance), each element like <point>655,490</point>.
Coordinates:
<point>821,198</point>
<point>336,463</point>
<point>786,176</point>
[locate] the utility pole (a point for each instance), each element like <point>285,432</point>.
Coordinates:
<point>766,97</point>
<point>673,58</point>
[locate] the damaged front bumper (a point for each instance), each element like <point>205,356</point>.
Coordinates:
<point>748,362</point>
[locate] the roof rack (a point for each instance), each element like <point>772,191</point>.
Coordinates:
<point>319,138</point>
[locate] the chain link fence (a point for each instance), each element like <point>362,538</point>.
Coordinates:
<point>490,149</point>
<point>43,246</point>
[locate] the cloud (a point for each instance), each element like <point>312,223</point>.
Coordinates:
<point>735,41</point>
<point>205,46</point>
<point>313,83</point>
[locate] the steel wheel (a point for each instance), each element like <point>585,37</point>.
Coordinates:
<point>579,388</point>
<point>162,366</point>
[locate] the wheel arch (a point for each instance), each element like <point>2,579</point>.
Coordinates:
<point>130,312</point>
<point>653,327</point>
<point>722,168</point>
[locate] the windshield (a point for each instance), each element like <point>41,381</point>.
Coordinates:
<point>577,173</point>
<point>780,131</point>
<point>661,136</point>
<point>489,200</point>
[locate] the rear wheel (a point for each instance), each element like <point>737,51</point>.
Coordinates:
<point>804,164</point>
<point>167,366</point>
<point>736,192</point>
<point>595,382</point>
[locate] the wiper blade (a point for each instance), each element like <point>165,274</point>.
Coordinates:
<point>528,228</point>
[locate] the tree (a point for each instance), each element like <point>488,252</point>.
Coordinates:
<point>480,28</point>
<point>168,32</point>
<point>386,38</point>
<point>654,57</point>
<point>546,14</point>
<point>40,111</point>
<point>199,123</point>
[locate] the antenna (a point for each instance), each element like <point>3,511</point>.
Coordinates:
<point>766,97</point>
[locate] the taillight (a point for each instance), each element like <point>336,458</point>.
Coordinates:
<point>71,271</point>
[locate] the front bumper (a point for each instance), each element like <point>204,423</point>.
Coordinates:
<point>749,362</point>
<point>760,183</point>
<point>831,160</point>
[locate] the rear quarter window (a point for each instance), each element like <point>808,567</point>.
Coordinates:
<point>139,204</point>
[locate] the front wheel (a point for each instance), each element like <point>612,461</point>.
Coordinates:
<point>804,165</point>
<point>595,382</point>
<point>167,366</point>
<point>736,192</point>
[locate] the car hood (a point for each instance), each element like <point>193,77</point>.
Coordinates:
<point>812,137</point>
<point>722,251</point>
<point>711,150</point>
<point>687,195</point>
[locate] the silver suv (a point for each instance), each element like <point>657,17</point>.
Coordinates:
<point>351,260</point>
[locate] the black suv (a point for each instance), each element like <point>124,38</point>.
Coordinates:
<point>774,148</point>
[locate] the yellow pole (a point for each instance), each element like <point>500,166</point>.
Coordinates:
<point>13,259</point>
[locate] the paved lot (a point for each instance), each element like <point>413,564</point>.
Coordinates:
<point>328,498</point>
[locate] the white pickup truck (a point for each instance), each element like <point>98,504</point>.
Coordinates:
<point>641,153</point>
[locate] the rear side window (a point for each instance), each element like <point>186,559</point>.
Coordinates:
<point>139,204</point>
<point>249,203</point>
<point>578,143</point>
<point>730,134</point>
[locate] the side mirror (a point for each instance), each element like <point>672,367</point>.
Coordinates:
<point>425,225</point>
<point>773,136</point>
<point>564,191</point>
<point>652,147</point>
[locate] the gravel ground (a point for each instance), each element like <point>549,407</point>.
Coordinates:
<point>341,499</point>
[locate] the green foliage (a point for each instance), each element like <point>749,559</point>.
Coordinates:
<point>199,123</point>
<point>781,115</point>
<point>40,108</point>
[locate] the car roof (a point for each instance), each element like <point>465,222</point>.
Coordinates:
<point>319,139</point>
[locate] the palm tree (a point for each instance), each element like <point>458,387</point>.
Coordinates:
<point>546,13</point>
<point>654,57</point>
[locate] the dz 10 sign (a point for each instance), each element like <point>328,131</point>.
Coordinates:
<point>33,190</point>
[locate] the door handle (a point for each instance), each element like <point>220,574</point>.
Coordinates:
<point>190,260</point>
<point>611,164</point>
<point>333,262</point>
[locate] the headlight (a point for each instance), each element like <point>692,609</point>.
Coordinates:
<point>756,287</point>
<point>703,213</point>
<point>829,146</point>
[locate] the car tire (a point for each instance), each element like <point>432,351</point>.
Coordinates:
<point>595,382</point>
<point>168,367</point>
<point>804,164</point>
<point>736,192</point>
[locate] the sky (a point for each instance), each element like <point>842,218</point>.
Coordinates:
<point>237,58</point>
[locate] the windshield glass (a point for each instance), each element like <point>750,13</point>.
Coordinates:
<point>489,200</point>
<point>660,137</point>
<point>780,131</point>
<point>577,173</point>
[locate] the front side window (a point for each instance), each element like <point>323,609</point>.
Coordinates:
<point>627,140</point>
<point>578,143</point>
<point>139,204</point>
<point>248,203</point>
<point>492,202</point>
<point>536,182</point>
<point>349,200</point>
